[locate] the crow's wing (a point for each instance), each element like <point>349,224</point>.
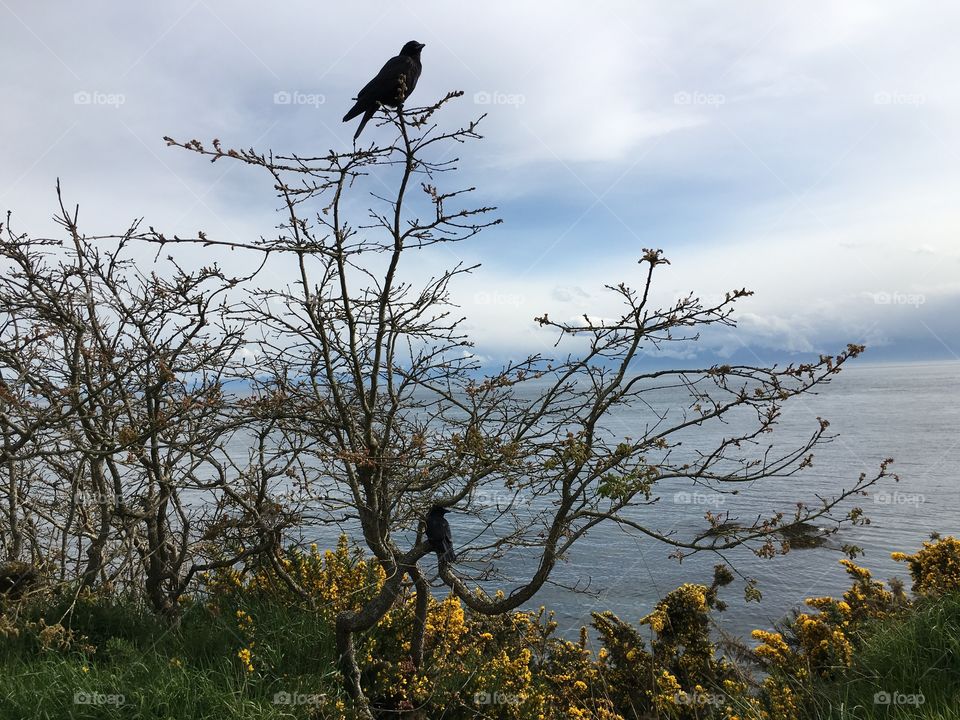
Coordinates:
<point>448,542</point>
<point>434,531</point>
<point>384,87</point>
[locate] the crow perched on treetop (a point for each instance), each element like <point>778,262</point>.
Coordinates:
<point>438,533</point>
<point>392,85</point>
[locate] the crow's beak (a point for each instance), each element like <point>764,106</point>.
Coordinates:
<point>422,45</point>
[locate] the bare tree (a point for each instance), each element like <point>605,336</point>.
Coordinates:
<point>118,421</point>
<point>386,398</point>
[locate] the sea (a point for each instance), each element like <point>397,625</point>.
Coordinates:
<point>908,412</point>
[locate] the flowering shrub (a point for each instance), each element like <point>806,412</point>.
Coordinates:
<point>58,637</point>
<point>689,680</point>
<point>822,646</point>
<point>935,569</point>
<point>819,646</point>
<point>470,661</point>
<point>513,667</point>
<point>333,580</point>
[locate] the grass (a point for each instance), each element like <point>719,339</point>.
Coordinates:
<point>143,670</point>
<point>915,654</point>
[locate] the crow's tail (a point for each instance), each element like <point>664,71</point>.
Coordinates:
<point>366,118</point>
<point>354,111</point>
<point>447,553</point>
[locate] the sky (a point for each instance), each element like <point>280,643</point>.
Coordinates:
<point>807,152</point>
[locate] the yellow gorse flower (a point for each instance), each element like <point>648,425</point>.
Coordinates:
<point>246,658</point>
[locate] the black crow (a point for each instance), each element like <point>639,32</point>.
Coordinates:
<point>438,533</point>
<point>392,85</point>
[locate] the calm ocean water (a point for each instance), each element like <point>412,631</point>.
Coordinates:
<point>910,412</point>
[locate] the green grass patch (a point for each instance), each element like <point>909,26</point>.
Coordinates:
<point>143,669</point>
<point>903,659</point>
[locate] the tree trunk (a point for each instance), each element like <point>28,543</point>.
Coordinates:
<point>420,616</point>
<point>350,622</point>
